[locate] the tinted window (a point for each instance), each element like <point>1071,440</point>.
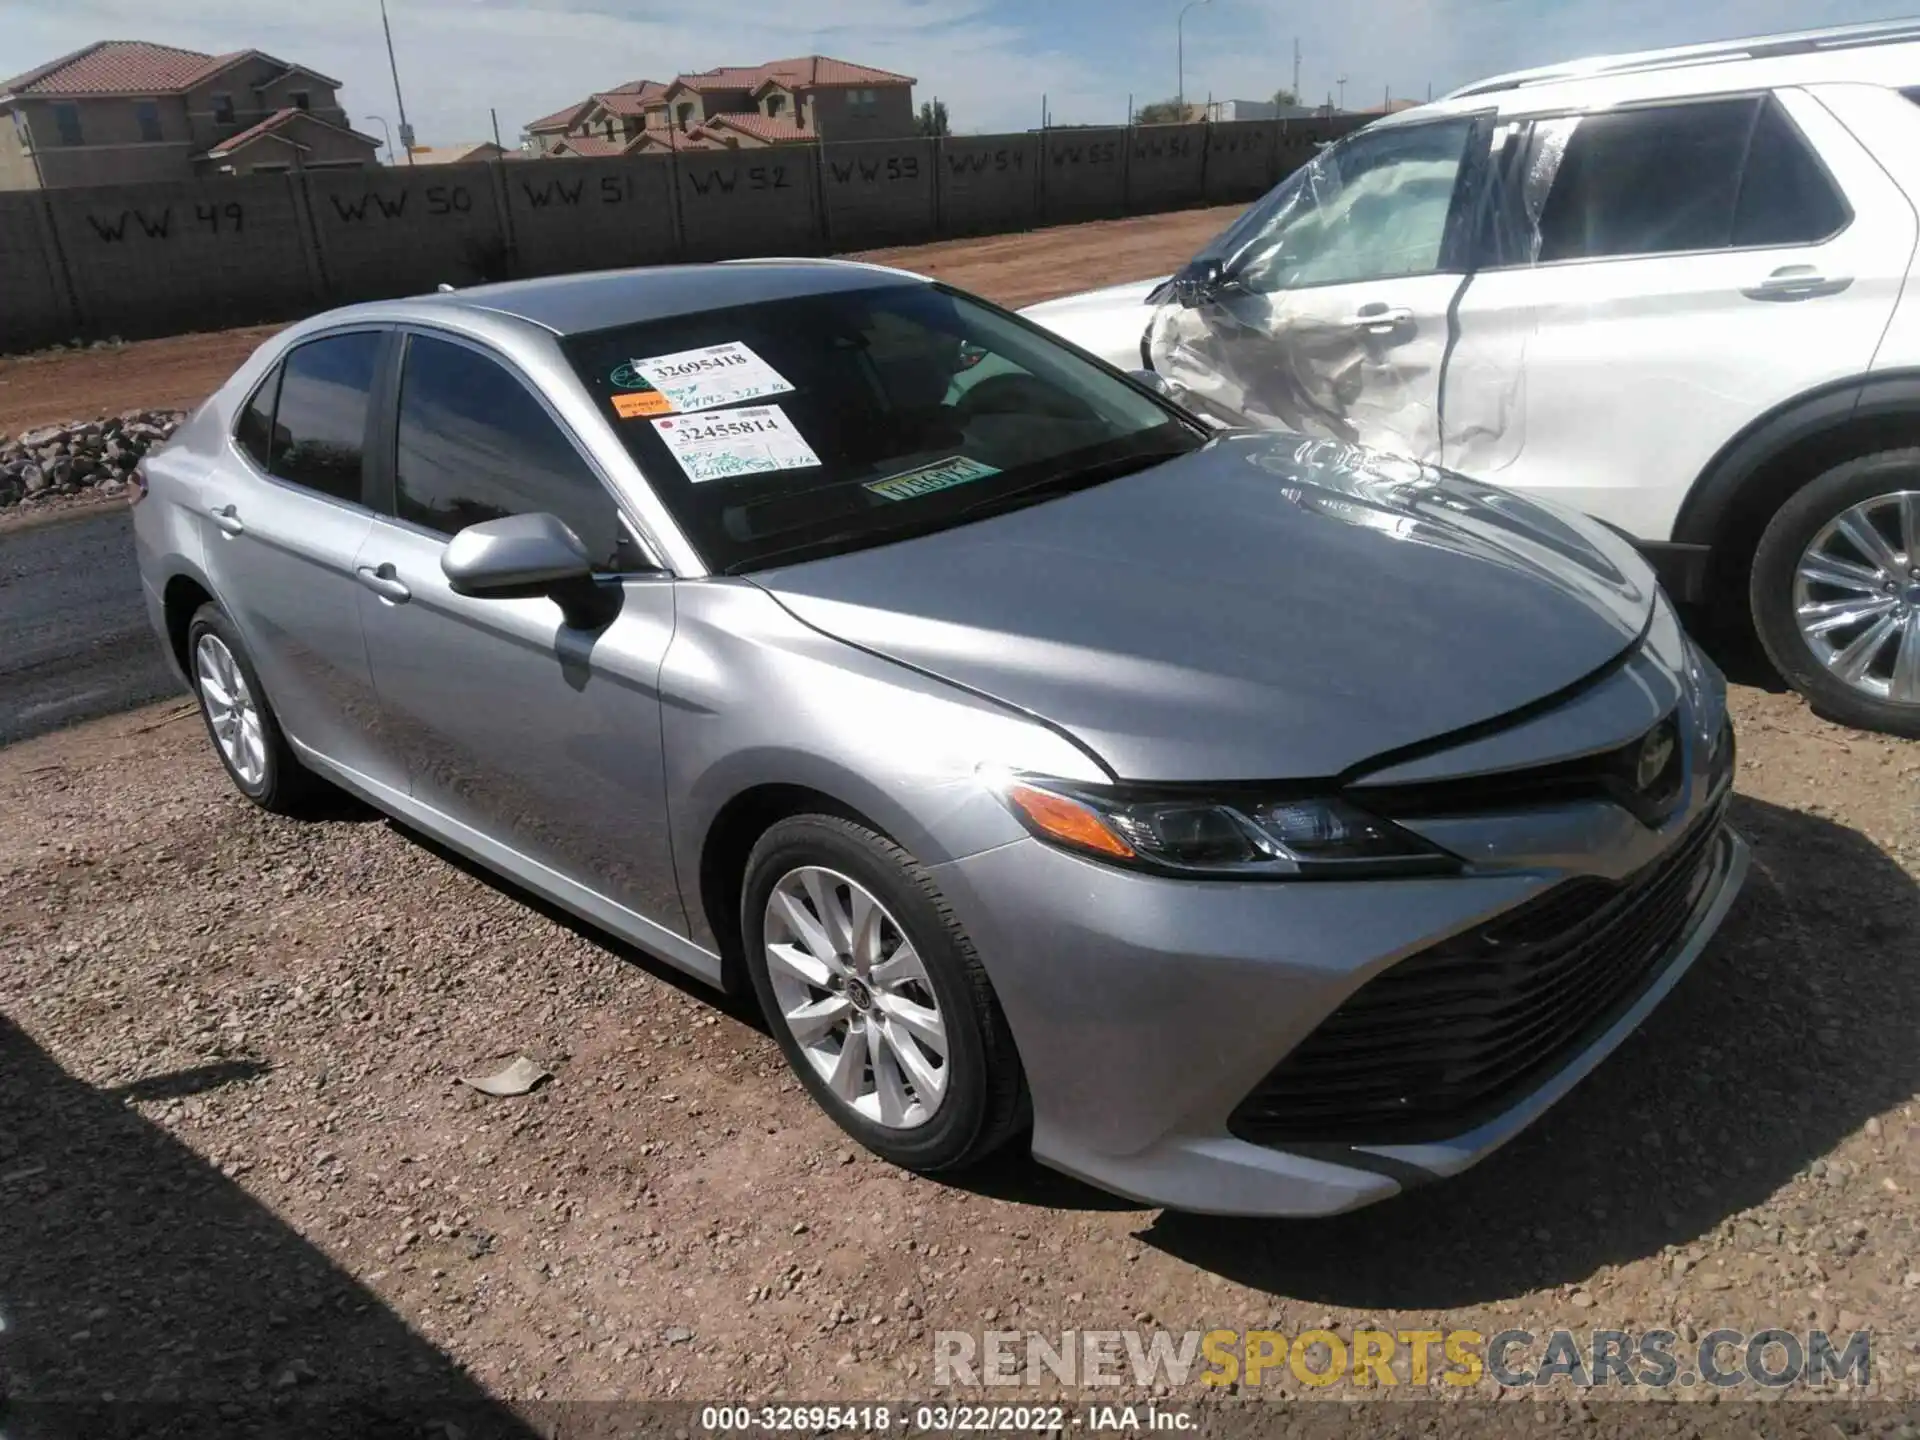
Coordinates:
<point>66,119</point>
<point>1646,182</point>
<point>475,445</point>
<point>1368,208</point>
<point>254,433</point>
<point>320,424</point>
<point>1785,195</point>
<point>888,411</point>
<point>147,113</point>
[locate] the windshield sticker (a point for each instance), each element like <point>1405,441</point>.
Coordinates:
<point>638,404</point>
<point>716,375</point>
<point>747,441</point>
<point>941,475</point>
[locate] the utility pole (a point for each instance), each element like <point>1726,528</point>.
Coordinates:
<point>1342,83</point>
<point>406,130</point>
<point>1180,39</point>
<point>496,127</point>
<point>1296,69</point>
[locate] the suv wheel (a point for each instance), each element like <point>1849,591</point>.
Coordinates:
<point>876,997</point>
<point>245,734</point>
<point>1836,592</point>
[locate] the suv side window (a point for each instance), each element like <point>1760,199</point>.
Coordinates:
<point>1786,196</point>
<point>254,433</point>
<point>1372,207</point>
<point>474,444</point>
<point>320,422</point>
<point>1648,182</point>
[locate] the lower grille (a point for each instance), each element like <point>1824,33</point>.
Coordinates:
<point>1453,1036</point>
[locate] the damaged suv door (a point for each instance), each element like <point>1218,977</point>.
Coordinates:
<point>1327,307</point>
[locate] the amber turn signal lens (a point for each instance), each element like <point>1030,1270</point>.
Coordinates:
<point>1068,821</point>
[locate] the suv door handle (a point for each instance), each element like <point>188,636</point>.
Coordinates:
<point>1797,282</point>
<point>384,583</point>
<point>227,518</point>
<point>1380,319</point>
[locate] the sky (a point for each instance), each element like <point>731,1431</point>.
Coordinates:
<point>991,61</point>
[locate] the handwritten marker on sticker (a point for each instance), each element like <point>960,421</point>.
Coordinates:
<point>714,375</point>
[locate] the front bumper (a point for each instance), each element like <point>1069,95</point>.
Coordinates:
<point>1139,1040</point>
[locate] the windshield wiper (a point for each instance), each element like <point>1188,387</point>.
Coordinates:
<point>1067,481</point>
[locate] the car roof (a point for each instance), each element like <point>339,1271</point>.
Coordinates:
<point>604,299</point>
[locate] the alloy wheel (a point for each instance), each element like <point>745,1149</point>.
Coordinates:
<point>855,996</point>
<point>1856,597</point>
<point>231,709</point>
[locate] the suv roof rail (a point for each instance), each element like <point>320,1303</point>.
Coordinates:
<point>1755,47</point>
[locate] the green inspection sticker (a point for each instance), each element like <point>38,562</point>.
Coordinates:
<point>941,475</point>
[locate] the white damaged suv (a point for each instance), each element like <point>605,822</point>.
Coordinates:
<point>1669,289</point>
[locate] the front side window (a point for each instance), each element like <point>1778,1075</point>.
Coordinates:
<point>66,120</point>
<point>146,114</point>
<point>474,444</point>
<point>876,413</point>
<point>320,421</point>
<point>1372,207</point>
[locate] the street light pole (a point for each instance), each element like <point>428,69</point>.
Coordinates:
<point>1180,40</point>
<point>386,130</point>
<point>406,132</point>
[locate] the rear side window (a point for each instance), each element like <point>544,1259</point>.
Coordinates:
<point>320,422</point>
<point>474,444</point>
<point>1786,197</point>
<point>254,433</point>
<point>1648,182</point>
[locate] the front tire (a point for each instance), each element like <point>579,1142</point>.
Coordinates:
<point>876,997</point>
<point>1836,592</point>
<point>246,736</point>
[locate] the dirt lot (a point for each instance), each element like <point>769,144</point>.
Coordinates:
<point>238,1158</point>
<point>178,372</point>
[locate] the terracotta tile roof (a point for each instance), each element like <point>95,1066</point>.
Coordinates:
<point>775,130</point>
<point>112,67</point>
<point>813,71</point>
<point>560,119</point>
<point>650,142</point>
<point>274,123</point>
<point>631,101</point>
<point>458,153</point>
<point>590,145</point>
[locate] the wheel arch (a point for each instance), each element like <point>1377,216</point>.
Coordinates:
<point>182,593</point>
<point>1744,485</point>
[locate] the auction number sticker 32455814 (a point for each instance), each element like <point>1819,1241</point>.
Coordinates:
<point>747,441</point>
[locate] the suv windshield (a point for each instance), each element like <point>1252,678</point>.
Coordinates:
<point>806,427</point>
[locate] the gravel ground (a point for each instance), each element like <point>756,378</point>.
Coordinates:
<point>235,1159</point>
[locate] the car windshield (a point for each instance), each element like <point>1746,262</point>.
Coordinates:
<point>810,426</point>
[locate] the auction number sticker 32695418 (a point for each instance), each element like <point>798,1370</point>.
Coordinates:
<point>712,375</point>
<point>746,441</point>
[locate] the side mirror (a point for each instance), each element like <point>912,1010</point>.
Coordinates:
<point>520,557</point>
<point>514,556</point>
<point>1154,381</point>
<point>1201,281</point>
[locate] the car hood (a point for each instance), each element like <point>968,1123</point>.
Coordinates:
<point>1268,607</point>
<point>1107,323</point>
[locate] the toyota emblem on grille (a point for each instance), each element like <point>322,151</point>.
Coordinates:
<point>1656,751</point>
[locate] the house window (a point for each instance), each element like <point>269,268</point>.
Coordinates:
<point>302,100</point>
<point>776,104</point>
<point>223,109</point>
<point>686,116</point>
<point>608,127</point>
<point>863,102</point>
<point>147,113</point>
<point>66,119</point>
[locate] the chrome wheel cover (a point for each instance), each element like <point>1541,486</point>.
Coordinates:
<point>1856,597</point>
<point>855,996</point>
<point>231,709</point>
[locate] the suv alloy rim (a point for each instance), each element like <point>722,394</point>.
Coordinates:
<point>855,995</point>
<point>1856,597</point>
<point>230,709</point>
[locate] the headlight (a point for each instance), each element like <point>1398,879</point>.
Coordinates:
<point>1247,837</point>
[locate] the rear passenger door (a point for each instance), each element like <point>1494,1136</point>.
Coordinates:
<point>285,517</point>
<point>1661,276</point>
<point>533,744</point>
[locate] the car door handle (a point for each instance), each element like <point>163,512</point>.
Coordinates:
<point>228,519</point>
<point>384,583</point>
<point>1378,319</point>
<point>1797,282</point>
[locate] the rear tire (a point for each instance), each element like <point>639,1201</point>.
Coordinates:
<point>903,1100</point>
<point>1835,592</point>
<point>246,736</point>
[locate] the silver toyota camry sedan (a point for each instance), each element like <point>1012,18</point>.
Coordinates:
<point>1244,823</point>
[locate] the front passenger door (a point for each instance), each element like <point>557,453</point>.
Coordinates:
<point>534,744</point>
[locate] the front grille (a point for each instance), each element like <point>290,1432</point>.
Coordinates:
<point>1453,1036</point>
